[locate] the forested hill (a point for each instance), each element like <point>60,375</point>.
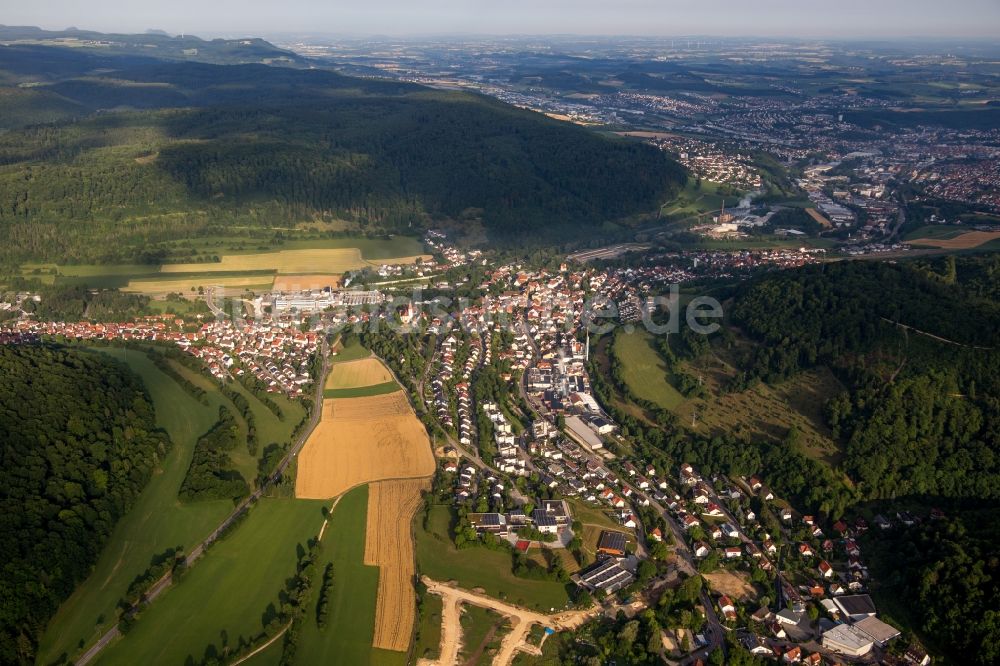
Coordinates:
<point>153,45</point>
<point>148,150</point>
<point>922,414</point>
<point>77,445</point>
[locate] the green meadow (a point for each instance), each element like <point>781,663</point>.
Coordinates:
<point>644,370</point>
<point>228,597</point>
<point>157,522</point>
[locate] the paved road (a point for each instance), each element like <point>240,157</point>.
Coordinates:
<point>196,552</point>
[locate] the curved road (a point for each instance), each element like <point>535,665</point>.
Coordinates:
<point>196,552</point>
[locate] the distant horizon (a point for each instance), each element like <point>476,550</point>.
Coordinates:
<point>847,20</point>
<point>270,35</point>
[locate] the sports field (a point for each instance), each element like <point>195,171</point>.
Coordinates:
<point>156,522</point>
<point>359,440</point>
<point>228,597</point>
<point>354,374</point>
<point>491,570</point>
<point>389,546</point>
<point>644,370</point>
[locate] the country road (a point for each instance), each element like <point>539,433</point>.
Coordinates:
<point>196,552</point>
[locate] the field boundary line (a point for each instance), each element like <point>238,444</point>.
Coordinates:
<point>264,646</point>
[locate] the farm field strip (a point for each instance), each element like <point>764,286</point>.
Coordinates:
<point>360,440</point>
<point>389,546</point>
<point>308,281</point>
<point>302,261</point>
<point>964,241</point>
<point>356,374</point>
<point>158,286</point>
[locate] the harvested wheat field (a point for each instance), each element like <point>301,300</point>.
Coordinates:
<point>304,282</point>
<point>389,546</point>
<point>360,440</point>
<point>961,242</point>
<point>355,374</point>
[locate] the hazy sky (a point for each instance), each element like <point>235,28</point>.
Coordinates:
<point>807,18</point>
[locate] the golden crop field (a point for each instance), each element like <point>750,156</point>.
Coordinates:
<point>389,546</point>
<point>819,217</point>
<point>323,261</point>
<point>961,242</point>
<point>304,282</point>
<point>355,374</point>
<point>360,440</point>
<point>184,285</point>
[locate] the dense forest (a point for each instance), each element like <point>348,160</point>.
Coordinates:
<point>77,445</point>
<point>920,353</point>
<point>191,148</point>
<point>946,576</point>
<point>210,475</point>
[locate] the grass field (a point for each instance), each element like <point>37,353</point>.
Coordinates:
<point>477,624</point>
<point>763,410</point>
<point>347,638</point>
<point>644,370</point>
<point>156,522</point>
<point>354,374</point>
<point>352,352</point>
<point>270,429</point>
<point>227,597</point>
<point>428,643</point>
<point>692,202</point>
<point>362,391</point>
<point>490,570</point>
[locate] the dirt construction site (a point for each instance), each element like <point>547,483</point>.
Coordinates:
<point>515,641</point>
<point>389,546</point>
<point>360,440</point>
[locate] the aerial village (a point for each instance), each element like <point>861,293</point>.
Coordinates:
<point>790,587</point>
